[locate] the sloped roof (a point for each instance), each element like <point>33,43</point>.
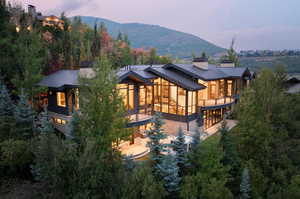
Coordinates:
<point>212,73</point>
<point>61,78</point>
<point>175,78</point>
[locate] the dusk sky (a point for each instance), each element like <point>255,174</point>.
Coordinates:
<point>256,24</point>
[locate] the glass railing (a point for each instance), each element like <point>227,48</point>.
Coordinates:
<point>216,102</point>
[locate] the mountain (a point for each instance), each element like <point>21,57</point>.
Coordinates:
<point>166,41</point>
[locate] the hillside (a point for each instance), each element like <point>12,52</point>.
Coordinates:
<point>166,41</point>
<point>292,63</point>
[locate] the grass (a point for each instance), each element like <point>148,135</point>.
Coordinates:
<point>212,141</point>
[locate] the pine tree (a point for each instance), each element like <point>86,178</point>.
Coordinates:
<point>126,39</point>
<point>169,173</point>
<point>156,134</point>
<point>102,123</point>
<point>31,62</point>
<point>179,146</point>
<point>75,127</point>
<point>44,124</point>
<point>196,139</point>
<point>120,36</point>
<point>7,121</point>
<point>231,157</point>
<point>245,187</point>
<point>24,116</point>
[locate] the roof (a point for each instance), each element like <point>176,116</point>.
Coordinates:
<point>140,70</point>
<point>182,75</point>
<point>212,73</point>
<point>61,78</point>
<point>176,78</point>
<point>70,77</point>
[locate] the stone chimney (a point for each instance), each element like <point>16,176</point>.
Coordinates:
<point>32,11</point>
<point>201,63</point>
<point>227,64</point>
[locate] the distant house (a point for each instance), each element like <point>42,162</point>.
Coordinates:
<point>181,92</point>
<point>293,84</point>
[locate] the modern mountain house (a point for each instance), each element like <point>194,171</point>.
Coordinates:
<point>181,92</point>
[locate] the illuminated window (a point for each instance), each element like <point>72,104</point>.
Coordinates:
<point>59,121</point>
<point>212,90</point>
<point>142,96</point>
<point>173,100</point>
<point>77,99</point>
<point>221,88</point>
<point>181,101</point>
<point>61,99</point>
<point>229,88</point>
<point>127,93</point>
<point>191,102</point>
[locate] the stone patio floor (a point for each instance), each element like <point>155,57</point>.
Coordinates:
<point>140,149</point>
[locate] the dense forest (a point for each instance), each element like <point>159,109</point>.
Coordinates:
<point>292,63</point>
<point>259,158</point>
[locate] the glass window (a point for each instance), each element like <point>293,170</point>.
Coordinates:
<point>61,99</point>
<point>191,102</point>
<point>131,98</point>
<point>127,93</point>
<point>181,101</point>
<point>59,121</point>
<point>77,99</point>
<point>142,96</point>
<point>173,100</point>
<point>221,88</point>
<point>212,90</point>
<point>229,88</point>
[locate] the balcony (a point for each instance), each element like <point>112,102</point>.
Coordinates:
<point>139,120</point>
<point>216,103</point>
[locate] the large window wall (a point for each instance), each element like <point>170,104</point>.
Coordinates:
<point>170,98</point>
<point>127,93</point>
<point>217,89</point>
<point>145,99</point>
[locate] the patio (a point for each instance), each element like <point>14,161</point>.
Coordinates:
<point>139,149</point>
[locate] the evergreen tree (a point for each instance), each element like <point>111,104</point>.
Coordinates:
<point>126,39</point>
<point>44,125</point>
<point>31,62</point>
<point>75,127</point>
<point>8,45</point>
<point>180,148</point>
<point>232,55</point>
<point>120,36</point>
<point>102,123</point>
<point>140,183</point>
<point>196,139</point>
<point>96,43</point>
<point>231,157</point>
<point>169,173</point>
<point>7,121</point>
<point>245,187</point>
<point>24,116</point>
<point>156,134</point>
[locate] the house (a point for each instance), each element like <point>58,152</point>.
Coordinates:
<point>292,84</point>
<point>181,92</point>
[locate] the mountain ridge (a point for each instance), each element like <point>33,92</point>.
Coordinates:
<point>165,40</point>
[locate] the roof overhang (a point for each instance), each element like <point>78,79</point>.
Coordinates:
<point>135,77</point>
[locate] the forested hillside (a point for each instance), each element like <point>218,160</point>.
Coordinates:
<point>292,63</point>
<point>166,41</point>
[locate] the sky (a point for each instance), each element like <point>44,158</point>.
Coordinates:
<point>255,24</point>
